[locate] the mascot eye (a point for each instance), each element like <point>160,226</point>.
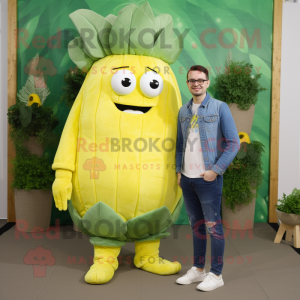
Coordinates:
<point>151,84</point>
<point>123,82</point>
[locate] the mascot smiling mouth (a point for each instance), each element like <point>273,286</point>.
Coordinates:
<point>131,109</point>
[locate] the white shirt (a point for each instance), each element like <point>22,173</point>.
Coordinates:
<point>193,159</point>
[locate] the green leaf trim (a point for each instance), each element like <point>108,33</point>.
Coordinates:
<point>120,32</point>
<point>88,24</point>
<point>76,218</point>
<point>99,241</point>
<point>111,19</point>
<point>78,55</point>
<point>142,38</point>
<point>102,220</point>
<point>149,223</point>
<point>147,227</point>
<point>134,31</point>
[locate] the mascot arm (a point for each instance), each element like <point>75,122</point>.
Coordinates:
<point>64,161</point>
<point>62,188</point>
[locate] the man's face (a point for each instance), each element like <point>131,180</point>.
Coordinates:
<point>197,89</point>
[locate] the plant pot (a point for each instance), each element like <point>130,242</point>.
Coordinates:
<point>242,218</point>
<point>288,219</point>
<point>243,119</point>
<point>33,209</point>
<point>33,146</point>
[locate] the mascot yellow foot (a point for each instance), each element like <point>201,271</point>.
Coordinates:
<point>147,258</point>
<point>105,264</point>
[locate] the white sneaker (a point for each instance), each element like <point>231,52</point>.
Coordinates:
<point>211,282</point>
<point>191,276</point>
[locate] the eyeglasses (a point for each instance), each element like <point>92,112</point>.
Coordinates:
<point>193,81</point>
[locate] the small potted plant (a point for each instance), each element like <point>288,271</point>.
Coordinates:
<point>31,125</point>
<point>239,89</point>
<point>288,211</point>
<point>241,181</point>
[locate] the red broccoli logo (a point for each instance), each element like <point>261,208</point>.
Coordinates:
<point>94,165</point>
<point>40,66</point>
<point>39,258</point>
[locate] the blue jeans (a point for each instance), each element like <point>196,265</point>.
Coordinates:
<point>202,201</point>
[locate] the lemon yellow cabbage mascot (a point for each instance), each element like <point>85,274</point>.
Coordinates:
<point>116,157</point>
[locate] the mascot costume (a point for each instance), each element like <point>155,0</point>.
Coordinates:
<point>116,156</point>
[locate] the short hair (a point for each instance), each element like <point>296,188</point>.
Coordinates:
<point>197,68</point>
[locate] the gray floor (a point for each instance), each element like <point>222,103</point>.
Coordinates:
<point>2,222</point>
<point>254,268</point>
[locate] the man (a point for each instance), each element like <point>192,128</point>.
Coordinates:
<point>207,142</point>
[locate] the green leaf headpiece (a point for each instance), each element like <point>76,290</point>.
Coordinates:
<point>134,31</point>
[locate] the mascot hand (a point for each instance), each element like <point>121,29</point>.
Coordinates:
<point>62,188</point>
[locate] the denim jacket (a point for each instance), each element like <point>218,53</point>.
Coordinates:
<point>218,134</point>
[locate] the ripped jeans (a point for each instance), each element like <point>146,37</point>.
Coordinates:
<point>202,201</point>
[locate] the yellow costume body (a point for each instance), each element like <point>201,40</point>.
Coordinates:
<point>119,167</point>
<point>132,183</point>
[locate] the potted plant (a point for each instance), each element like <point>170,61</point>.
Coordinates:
<point>239,89</point>
<point>288,213</point>
<point>33,178</point>
<point>241,181</point>
<point>31,126</point>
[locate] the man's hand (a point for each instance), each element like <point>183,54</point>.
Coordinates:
<point>178,179</point>
<point>209,175</point>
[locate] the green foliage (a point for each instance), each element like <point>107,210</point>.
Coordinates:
<point>290,204</point>
<point>237,85</point>
<point>32,120</point>
<point>29,170</point>
<point>74,80</point>
<point>25,115</point>
<point>243,175</point>
<point>32,172</point>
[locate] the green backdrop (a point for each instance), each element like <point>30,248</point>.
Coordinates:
<point>215,27</point>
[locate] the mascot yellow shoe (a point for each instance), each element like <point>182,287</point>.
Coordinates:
<point>147,258</point>
<point>105,264</point>
<point>116,156</point>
